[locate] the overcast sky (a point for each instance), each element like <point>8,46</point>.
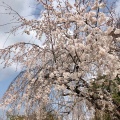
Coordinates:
<point>26,8</point>
<point>22,7</point>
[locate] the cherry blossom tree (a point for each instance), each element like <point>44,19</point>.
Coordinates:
<point>73,68</point>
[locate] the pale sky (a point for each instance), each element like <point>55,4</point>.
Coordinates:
<point>22,7</point>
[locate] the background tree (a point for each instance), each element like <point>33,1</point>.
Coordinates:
<point>78,60</point>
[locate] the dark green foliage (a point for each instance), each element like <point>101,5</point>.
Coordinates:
<point>17,117</point>
<point>51,116</point>
<point>113,88</point>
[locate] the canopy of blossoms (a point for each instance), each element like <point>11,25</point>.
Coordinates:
<point>79,48</point>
